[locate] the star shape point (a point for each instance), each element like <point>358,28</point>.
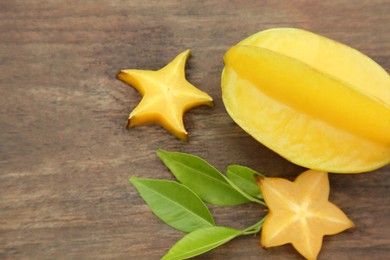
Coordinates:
<point>300,213</point>
<point>167,95</point>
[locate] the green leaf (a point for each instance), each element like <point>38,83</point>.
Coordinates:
<point>243,177</point>
<point>201,241</point>
<point>173,203</point>
<point>202,178</point>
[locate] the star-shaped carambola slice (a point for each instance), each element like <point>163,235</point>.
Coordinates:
<point>167,95</point>
<point>300,213</point>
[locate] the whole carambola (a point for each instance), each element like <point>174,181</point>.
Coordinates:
<point>316,102</point>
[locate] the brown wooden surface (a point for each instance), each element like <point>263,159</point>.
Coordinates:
<point>65,155</point>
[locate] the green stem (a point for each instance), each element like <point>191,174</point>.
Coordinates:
<point>250,198</point>
<point>255,228</point>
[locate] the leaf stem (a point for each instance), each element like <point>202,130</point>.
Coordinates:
<point>250,198</point>
<point>255,228</point>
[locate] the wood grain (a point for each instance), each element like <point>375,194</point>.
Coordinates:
<point>65,155</point>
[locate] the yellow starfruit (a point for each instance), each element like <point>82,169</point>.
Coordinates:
<point>316,102</point>
<point>300,213</point>
<point>167,95</point>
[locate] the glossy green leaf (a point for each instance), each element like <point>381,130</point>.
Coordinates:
<point>202,178</point>
<point>173,203</point>
<point>201,241</point>
<point>244,178</point>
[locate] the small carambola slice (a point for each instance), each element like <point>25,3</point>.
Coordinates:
<point>167,95</point>
<point>306,109</point>
<point>300,213</point>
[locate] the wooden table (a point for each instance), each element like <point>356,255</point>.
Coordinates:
<point>65,155</point>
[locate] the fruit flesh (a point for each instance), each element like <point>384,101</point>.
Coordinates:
<point>300,213</point>
<point>338,129</point>
<point>167,95</point>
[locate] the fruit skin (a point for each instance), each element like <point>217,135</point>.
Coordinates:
<point>311,115</point>
<point>328,56</point>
